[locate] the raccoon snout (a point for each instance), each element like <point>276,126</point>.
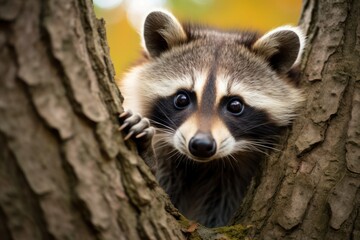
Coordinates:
<point>202,145</point>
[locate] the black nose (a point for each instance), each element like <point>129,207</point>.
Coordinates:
<point>202,145</point>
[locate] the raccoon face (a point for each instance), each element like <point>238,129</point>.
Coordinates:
<point>213,94</point>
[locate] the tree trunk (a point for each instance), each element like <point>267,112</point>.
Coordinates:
<point>66,173</point>
<point>310,190</point>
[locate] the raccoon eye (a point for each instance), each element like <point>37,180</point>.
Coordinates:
<point>181,100</point>
<point>235,106</point>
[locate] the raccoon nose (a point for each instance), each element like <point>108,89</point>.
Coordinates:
<point>202,145</point>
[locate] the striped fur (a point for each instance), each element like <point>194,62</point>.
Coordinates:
<point>213,69</point>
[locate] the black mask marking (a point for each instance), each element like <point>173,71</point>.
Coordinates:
<point>165,113</point>
<point>251,124</point>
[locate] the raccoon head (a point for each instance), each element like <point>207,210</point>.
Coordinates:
<point>212,94</point>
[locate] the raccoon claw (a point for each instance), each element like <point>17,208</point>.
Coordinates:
<point>123,126</point>
<point>128,136</point>
<point>135,126</point>
<point>149,133</point>
<point>140,135</point>
<point>138,128</point>
<point>124,114</point>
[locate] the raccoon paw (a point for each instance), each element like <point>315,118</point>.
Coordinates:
<point>137,128</point>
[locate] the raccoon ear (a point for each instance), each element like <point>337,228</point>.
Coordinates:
<point>282,47</point>
<point>161,32</point>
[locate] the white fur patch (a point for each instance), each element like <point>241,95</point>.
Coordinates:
<point>200,81</point>
<point>130,90</point>
<point>221,88</point>
<point>225,142</point>
<point>165,87</point>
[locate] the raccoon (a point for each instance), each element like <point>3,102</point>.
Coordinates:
<point>208,105</point>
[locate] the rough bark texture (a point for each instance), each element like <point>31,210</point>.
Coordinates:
<point>65,172</point>
<point>311,189</point>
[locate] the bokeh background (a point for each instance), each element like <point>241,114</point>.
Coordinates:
<point>124,18</point>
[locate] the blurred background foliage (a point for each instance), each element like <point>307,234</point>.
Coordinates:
<point>124,18</point>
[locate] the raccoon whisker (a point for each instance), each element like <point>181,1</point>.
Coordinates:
<point>259,147</point>
<point>161,142</point>
<point>252,127</point>
<point>227,159</point>
<point>171,121</point>
<point>246,130</point>
<point>163,131</point>
<point>267,140</point>
<point>223,166</point>
<point>178,161</point>
<point>161,124</point>
<point>249,146</point>
<point>182,136</point>
<point>163,135</point>
<point>179,158</point>
<point>266,145</point>
<point>222,142</point>
<point>225,147</point>
<point>173,153</point>
<point>160,146</point>
<point>163,128</point>
<point>162,138</point>
<point>262,144</point>
<point>182,146</point>
<point>256,149</point>
<point>231,160</point>
<point>222,147</point>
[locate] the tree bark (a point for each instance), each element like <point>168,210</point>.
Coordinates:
<point>66,173</point>
<point>310,190</point>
